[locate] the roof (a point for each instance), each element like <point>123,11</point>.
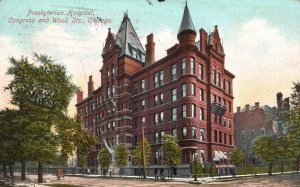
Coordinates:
<point>128,40</point>
<point>186,22</point>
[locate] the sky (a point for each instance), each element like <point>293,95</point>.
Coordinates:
<point>261,38</point>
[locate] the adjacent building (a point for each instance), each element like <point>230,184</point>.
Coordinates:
<point>187,94</point>
<point>254,121</point>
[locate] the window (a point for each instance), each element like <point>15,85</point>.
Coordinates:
<point>156,100</point>
<point>156,138</point>
<point>161,117</point>
<point>162,134</point>
<point>225,138</point>
<point>215,76</point>
<point>193,110</point>
<point>184,132</point>
<point>194,133</point>
<point>135,88</point>
<point>215,118</point>
<point>80,111</point>
<point>201,114</point>
<point>174,94</point>
<point>113,125</point>
<point>156,80</point>
<point>229,123</point>
<point>143,85</point>
<point>108,92</point>
<point>193,90</point>
<point>228,87</point>
<point>230,139</point>
<point>86,109</point>
<point>193,66</point>
<point>86,124</point>
<point>93,106</point>
<point>184,111</point>
<point>262,131</point>
<point>229,106</point>
<point>174,114</point>
<point>113,90</point>
<point>202,135</point>
<point>220,137</point>
<point>161,77</point>
<point>224,121</point>
<point>161,98</point>
<point>112,71</point>
<point>174,72</point>
<point>184,90</point>
<point>216,135</point>
<point>183,66</point>
<point>156,118</point>
<point>200,71</point>
<point>219,79</point>
<point>243,135</point>
<point>143,104</point>
<point>252,135</point>
<point>174,132</point>
<point>201,96</point>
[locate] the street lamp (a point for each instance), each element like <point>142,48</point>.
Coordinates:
<point>143,150</point>
<point>195,160</point>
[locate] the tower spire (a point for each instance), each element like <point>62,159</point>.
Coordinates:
<point>186,22</point>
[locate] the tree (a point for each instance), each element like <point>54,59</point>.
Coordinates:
<point>138,154</point>
<point>237,156</point>
<point>267,149</point>
<point>104,159</point>
<point>42,90</point>
<point>294,123</point>
<point>121,155</point>
<point>171,151</point>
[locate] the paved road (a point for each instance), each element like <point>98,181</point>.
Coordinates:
<point>276,180</point>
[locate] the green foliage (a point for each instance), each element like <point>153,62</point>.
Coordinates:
<point>267,148</point>
<point>294,122</point>
<point>199,168</point>
<point>171,151</point>
<point>237,156</point>
<point>42,91</point>
<point>121,155</point>
<point>138,154</point>
<point>104,159</point>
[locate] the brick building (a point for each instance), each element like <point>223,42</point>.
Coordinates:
<point>188,94</point>
<point>254,121</point>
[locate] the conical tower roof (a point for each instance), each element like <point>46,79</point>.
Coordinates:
<point>186,22</point>
<point>128,40</point>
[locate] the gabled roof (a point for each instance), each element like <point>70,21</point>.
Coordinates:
<point>186,22</point>
<point>127,38</point>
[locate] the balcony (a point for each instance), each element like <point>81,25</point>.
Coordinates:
<point>218,108</point>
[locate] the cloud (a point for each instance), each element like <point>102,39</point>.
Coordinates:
<point>163,39</point>
<point>81,54</point>
<point>264,62</point>
<point>8,49</point>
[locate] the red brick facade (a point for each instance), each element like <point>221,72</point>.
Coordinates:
<point>188,94</point>
<point>250,123</point>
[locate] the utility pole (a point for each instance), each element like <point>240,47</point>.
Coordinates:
<point>143,151</point>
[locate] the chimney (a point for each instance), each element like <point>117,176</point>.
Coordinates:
<point>90,86</point>
<point>247,107</point>
<point>279,100</point>
<point>203,40</point>
<point>79,96</point>
<point>286,103</point>
<point>150,50</point>
<point>257,105</point>
<point>238,109</point>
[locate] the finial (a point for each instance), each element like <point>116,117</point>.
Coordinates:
<point>126,13</point>
<point>185,2</point>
